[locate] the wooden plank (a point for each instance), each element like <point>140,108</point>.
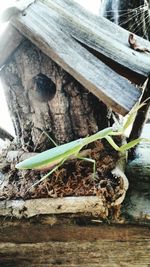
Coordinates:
<point>75,254</point>
<point>102,35</point>
<point>42,27</point>
<point>67,229</point>
<point>11,39</point>
<point>33,244</point>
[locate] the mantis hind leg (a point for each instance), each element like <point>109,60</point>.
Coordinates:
<point>89,160</point>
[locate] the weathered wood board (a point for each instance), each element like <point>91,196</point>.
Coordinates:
<point>41,25</point>
<point>102,35</point>
<point>51,243</point>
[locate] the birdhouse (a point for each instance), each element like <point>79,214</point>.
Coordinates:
<point>66,75</point>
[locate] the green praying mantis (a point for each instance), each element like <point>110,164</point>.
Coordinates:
<point>55,157</point>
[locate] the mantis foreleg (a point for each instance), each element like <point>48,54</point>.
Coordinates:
<point>125,146</point>
<point>112,143</point>
<point>49,173</point>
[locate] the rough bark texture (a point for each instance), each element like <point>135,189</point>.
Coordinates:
<point>72,112</point>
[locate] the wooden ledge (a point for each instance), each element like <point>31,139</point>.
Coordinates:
<point>45,206</point>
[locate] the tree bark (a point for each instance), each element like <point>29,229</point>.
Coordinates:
<point>70,113</point>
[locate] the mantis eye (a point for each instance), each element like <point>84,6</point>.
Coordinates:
<point>45,87</point>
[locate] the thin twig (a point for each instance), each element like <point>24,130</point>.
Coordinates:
<point>5,135</point>
<point>140,117</point>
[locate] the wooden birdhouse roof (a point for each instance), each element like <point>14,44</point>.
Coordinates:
<point>93,50</point>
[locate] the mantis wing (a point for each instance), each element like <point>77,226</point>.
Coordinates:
<point>52,156</point>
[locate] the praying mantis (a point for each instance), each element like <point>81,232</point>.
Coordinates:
<point>55,157</point>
